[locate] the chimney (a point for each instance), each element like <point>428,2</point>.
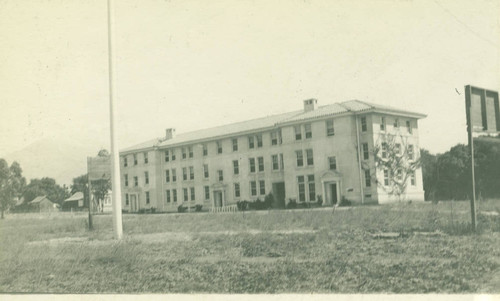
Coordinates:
<point>310,104</point>
<point>169,133</point>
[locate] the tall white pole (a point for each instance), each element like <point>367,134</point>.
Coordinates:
<point>115,160</point>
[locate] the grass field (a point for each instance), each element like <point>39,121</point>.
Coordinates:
<point>428,248</point>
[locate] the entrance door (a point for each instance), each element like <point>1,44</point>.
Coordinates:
<point>333,193</point>
<point>133,203</point>
<point>217,198</point>
<point>279,194</point>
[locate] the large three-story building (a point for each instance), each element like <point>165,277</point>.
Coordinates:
<point>316,153</point>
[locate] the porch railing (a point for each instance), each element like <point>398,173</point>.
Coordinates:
<point>229,208</point>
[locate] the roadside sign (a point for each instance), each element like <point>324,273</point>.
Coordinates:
<point>99,168</point>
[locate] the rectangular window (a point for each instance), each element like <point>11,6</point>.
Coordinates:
<point>173,155</point>
<point>408,126</point>
<point>302,189</point>
<point>262,187</point>
<point>396,123</point>
<point>368,179</point>
<point>221,175</point>
<point>207,193</point>
<point>146,177</point>
<point>193,197</point>
<point>174,175</point>
<point>236,167</point>
<point>261,163</point>
<point>146,159</point>
<point>411,152</point>
<point>167,156</point>
<point>253,188</point>
<point>310,157</point>
<point>185,194</point>
<point>205,171</point>
<point>259,140</point>
<point>252,164</point>
<point>136,181</point>
<point>174,195</point>
<point>274,138</point>
<point>298,132</point>
<point>126,199</point>
<point>219,147</point>
<point>300,158</point>
<point>366,154</point>
<point>384,150</point>
<point>382,123</point>
<point>282,164</point>
<point>312,188</point>
<point>274,159</point>
<point>251,143</point>
<point>308,130</point>
<point>236,190</point>
<point>135,159</point>
<point>167,175</point>
<point>167,194</point>
<point>147,197</point>
<point>184,153</point>
<point>332,163</point>
<point>125,162</point>
<point>330,131</point>
<point>397,149</point>
<point>364,126</point>
<point>235,144</point>
<point>126,180</point>
<point>190,151</point>
<point>205,150</point>
<point>386,177</point>
<point>184,174</point>
<point>191,172</point>
<point>413,179</point>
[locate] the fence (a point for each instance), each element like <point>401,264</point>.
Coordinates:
<point>230,208</point>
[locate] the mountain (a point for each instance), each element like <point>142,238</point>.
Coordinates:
<point>61,159</point>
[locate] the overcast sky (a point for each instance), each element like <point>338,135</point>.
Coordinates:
<point>196,64</point>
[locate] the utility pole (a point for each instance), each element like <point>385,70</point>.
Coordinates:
<point>471,148</point>
<point>115,159</point>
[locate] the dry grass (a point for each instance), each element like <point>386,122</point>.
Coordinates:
<point>270,252</point>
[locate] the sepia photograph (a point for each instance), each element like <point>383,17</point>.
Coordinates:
<point>260,149</point>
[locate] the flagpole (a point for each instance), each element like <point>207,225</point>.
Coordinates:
<point>115,159</point>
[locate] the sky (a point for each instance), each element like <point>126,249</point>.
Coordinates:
<point>196,64</point>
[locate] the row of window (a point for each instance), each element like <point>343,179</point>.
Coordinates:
<point>307,188</point>
<point>135,160</point>
<point>397,150</point>
<point>127,198</point>
<point>399,174</point>
<point>383,124</point>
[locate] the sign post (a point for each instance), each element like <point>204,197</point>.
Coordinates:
<point>483,116</point>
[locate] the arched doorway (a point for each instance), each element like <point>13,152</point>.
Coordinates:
<point>331,182</point>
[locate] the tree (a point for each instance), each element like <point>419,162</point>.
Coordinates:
<point>429,173</point>
<point>11,184</point>
<point>45,187</point>
<point>81,184</point>
<point>100,189</point>
<point>399,160</point>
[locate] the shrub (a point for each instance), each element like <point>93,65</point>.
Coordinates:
<point>142,211</point>
<point>344,202</point>
<point>181,209</point>
<point>153,210</point>
<point>292,204</point>
<point>304,205</point>
<point>268,201</point>
<point>320,200</point>
<point>243,205</point>
<point>197,208</point>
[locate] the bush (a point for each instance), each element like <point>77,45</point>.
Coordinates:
<point>142,211</point>
<point>268,201</point>
<point>153,210</point>
<point>243,205</point>
<point>181,209</point>
<point>320,200</point>
<point>344,202</point>
<point>304,205</point>
<point>197,208</point>
<point>292,204</point>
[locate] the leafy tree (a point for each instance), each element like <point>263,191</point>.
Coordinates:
<point>429,173</point>
<point>453,173</point>
<point>392,154</point>
<point>45,187</point>
<point>81,184</point>
<point>11,184</point>
<point>100,189</point>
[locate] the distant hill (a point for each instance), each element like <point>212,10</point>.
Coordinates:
<point>61,159</point>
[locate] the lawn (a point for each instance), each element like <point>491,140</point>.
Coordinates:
<point>401,248</point>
